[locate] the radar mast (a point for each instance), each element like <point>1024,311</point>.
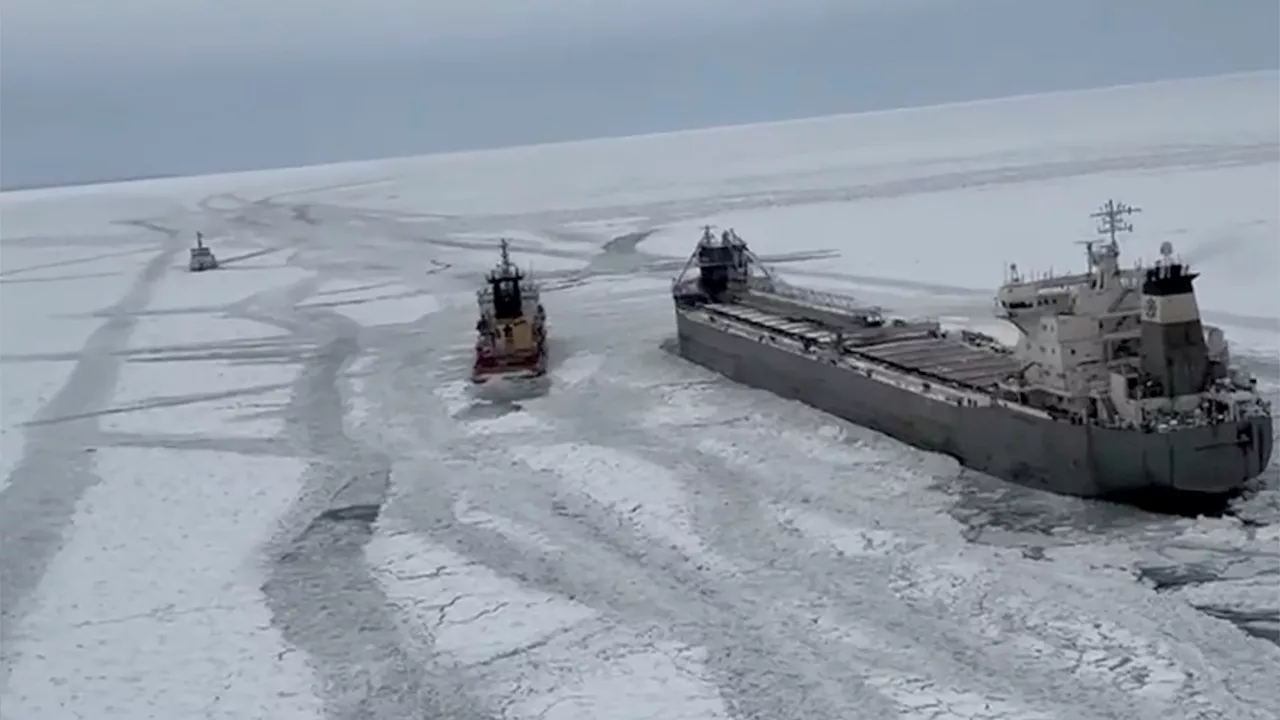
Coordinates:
<point>1104,262</point>
<point>1111,221</point>
<point>505,268</point>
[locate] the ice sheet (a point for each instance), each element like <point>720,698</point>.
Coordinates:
<point>541,656</point>
<point>152,608</point>
<point>651,496</point>
<point>644,538</point>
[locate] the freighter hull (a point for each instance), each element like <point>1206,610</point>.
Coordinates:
<point>1060,457</point>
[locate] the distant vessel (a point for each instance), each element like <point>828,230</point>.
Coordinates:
<point>202,257</point>
<point>1114,387</point>
<point>511,331</point>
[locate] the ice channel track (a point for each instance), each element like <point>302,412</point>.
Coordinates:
<point>304,220</point>
<point>796,622</point>
<point>768,618</point>
<point>48,481</point>
<point>792,629</point>
<point>1172,157</point>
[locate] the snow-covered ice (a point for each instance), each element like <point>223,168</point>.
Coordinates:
<point>629,487</point>
<point>272,491</point>
<point>382,304</point>
<point>521,643</point>
<point>151,609</point>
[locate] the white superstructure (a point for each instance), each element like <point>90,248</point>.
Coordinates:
<point>1122,346</point>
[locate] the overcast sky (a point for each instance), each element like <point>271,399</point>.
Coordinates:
<point>95,89</point>
<point>56,31</point>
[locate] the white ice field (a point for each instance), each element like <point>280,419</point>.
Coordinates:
<point>269,492</point>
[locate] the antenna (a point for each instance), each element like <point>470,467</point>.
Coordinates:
<point>1090,256</point>
<point>506,254</point>
<point>1093,261</point>
<point>199,239</point>
<point>1110,221</point>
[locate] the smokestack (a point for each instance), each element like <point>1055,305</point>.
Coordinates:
<point>1174,354</point>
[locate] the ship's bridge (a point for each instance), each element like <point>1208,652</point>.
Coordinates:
<point>1048,294</point>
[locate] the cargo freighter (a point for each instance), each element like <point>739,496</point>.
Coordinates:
<point>1115,387</point>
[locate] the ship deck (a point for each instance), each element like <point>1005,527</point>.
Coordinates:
<point>945,357</point>
<point>908,348</point>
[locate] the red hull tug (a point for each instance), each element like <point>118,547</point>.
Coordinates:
<point>511,334</point>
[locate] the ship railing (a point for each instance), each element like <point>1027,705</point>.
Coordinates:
<point>1047,281</point>
<point>849,348</point>
<point>819,298</point>
<point>1168,422</point>
<point>933,384</point>
<point>762,283</point>
<point>531,291</point>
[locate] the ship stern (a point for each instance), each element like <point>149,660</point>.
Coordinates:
<point>1222,459</point>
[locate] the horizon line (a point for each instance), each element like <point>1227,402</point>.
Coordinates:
<point>143,179</point>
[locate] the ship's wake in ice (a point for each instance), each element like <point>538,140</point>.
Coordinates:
<point>271,490</point>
